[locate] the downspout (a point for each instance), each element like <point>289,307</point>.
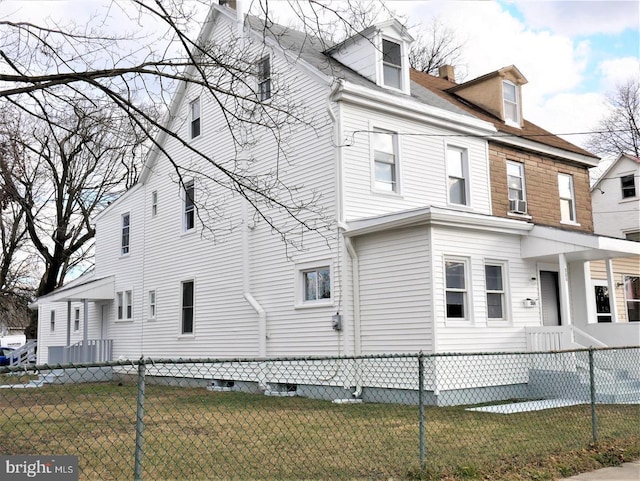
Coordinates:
<point>246,264</point>
<point>348,244</point>
<point>246,286</point>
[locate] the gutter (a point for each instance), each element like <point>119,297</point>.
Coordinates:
<point>348,243</point>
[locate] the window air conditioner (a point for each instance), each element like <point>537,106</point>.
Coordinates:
<point>518,206</point>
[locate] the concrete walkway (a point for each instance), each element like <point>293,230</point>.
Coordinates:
<point>626,472</point>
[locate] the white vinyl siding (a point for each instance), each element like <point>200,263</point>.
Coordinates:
<point>395,291</point>
<point>422,165</point>
<point>482,333</point>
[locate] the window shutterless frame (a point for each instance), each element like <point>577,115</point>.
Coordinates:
<point>456,288</point>
<point>567,198</point>
<point>126,230</point>
<point>510,102</point>
<point>189,208</point>
<point>264,78</point>
<point>187,307</point>
<point>384,144</point>
<point>392,64</point>
<point>457,175</point>
<point>194,119</point>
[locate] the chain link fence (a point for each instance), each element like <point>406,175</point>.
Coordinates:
<point>479,416</point>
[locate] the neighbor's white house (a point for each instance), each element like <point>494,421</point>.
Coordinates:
<point>616,213</point>
<point>454,228</point>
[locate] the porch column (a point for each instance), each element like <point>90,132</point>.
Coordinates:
<point>85,333</point>
<point>65,356</point>
<point>565,301</point>
<point>613,304</point>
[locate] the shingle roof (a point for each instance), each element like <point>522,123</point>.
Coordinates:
<point>425,88</point>
<point>529,131</point>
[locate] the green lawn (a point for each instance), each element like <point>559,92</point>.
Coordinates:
<point>192,433</point>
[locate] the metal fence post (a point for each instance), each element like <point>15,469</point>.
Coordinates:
<point>592,386</point>
<point>421,404</point>
<point>139,421</point>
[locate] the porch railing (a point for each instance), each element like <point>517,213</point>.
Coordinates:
<point>558,338</point>
<point>25,354</point>
<point>95,350</point>
<point>549,338</point>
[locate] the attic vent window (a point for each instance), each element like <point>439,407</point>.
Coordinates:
<point>392,64</point>
<point>511,108</point>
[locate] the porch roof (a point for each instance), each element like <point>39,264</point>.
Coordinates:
<point>546,243</point>
<point>99,289</point>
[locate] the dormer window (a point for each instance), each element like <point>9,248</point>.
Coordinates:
<point>392,64</point>
<point>510,103</point>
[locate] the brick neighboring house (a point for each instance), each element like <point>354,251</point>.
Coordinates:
<point>542,155</point>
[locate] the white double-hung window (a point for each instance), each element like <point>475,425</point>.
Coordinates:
<point>456,288</point>
<point>494,273</point>
<point>385,161</point>
<point>194,117</point>
<point>264,79</point>
<point>458,175</point>
<point>189,207</point>
<point>125,238</point>
<point>510,103</point>
<point>567,198</point>
<point>124,305</point>
<point>392,64</point>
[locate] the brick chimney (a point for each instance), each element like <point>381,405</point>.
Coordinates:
<point>447,72</point>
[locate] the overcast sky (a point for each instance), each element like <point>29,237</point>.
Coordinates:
<point>571,52</point>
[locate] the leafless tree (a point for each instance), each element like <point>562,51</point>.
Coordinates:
<point>65,166</point>
<point>436,45</point>
<point>617,132</point>
<point>16,267</point>
<point>59,77</point>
